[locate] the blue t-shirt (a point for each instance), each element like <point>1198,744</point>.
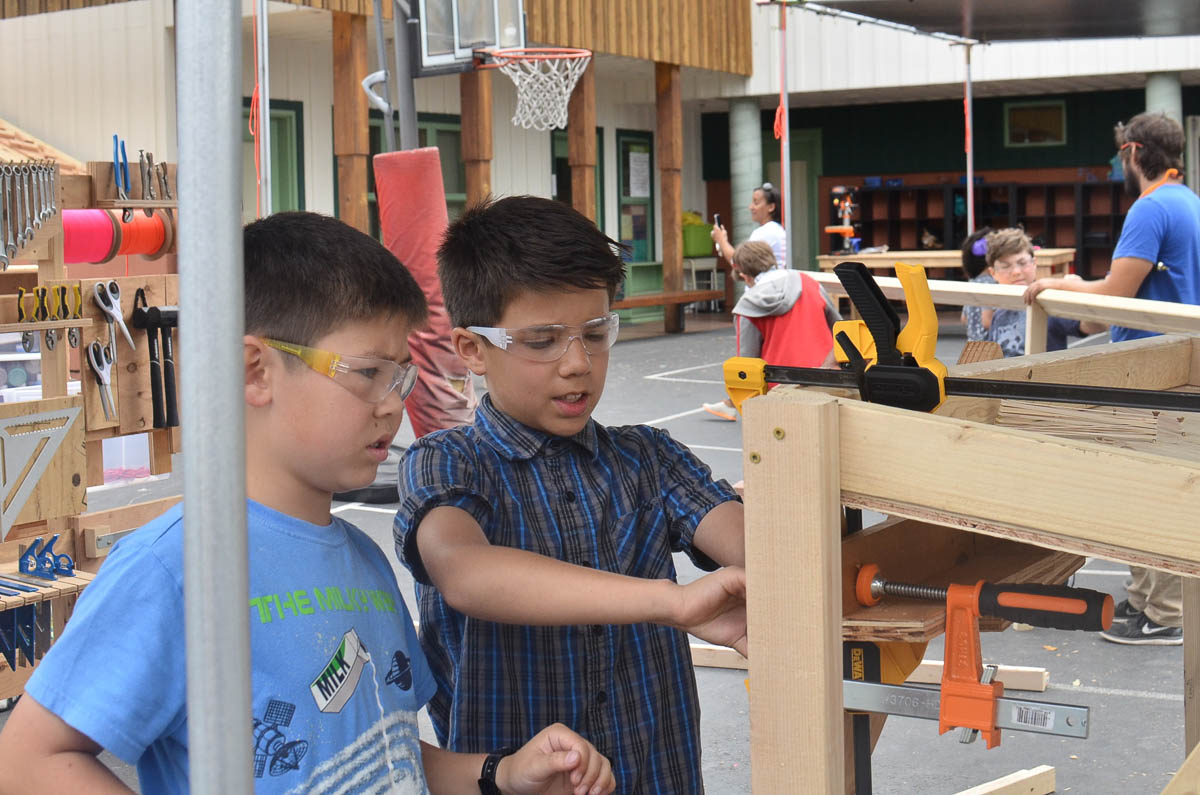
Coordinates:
<point>1163,227</point>
<point>1008,331</point>
<point>337,672</point>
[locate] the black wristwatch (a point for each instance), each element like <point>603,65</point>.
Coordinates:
<point>487,776</point>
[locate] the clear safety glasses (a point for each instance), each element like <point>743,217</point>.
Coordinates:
<point>369,379</point>
<point>549,343</point>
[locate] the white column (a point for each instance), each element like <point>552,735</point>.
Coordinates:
<point>745,161</point>
<point>1164,93</point>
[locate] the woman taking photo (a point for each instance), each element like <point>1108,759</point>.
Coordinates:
<point>764,211</point>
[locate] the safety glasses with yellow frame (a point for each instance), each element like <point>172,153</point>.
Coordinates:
<point>365,377</point>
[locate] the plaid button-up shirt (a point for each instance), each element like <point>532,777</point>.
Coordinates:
<point>618,499</point>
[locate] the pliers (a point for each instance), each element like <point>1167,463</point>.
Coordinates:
<point>121,175</point>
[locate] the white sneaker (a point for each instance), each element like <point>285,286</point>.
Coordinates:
<point>719,409</point>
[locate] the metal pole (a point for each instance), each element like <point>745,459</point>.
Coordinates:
<point>216,586</point>
<point>264,109</point>
<point>969,114</point>
<point>785,149</point>
<point>389,132</point>
<point>406,100</point>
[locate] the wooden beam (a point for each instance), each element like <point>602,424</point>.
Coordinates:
<point>1013,677</point>
<point>669,146</point>
<point>1187,779</point>
<point>1164,316</point>
<point>581,143</point>
<point>475,94</point>
<point>1035,781</point>
<point>793,538</point>
<point>351,143</point>
<point>706,655</point>
<point>1075,496</point>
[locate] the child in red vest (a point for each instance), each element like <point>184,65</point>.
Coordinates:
<point>785,317</point>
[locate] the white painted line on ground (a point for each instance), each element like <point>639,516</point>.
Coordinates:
<point>358,506</point>
<point>689,380</point>
<point>713,447</point>
<point>683,370</point>
<point>1117,691</point>
<point>657,420</point>
<point>1105,572</point>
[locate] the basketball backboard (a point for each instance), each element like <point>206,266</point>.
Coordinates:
<point>449,31</point>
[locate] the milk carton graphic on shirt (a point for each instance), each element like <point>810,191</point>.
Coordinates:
<point>337,681</point>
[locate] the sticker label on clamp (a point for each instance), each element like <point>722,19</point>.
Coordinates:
<point>1033,717</point>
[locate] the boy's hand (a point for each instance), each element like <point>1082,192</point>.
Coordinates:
<point>556,760</point>
<point>713,608</point>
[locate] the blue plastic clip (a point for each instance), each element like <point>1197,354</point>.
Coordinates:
<point>26,632</point>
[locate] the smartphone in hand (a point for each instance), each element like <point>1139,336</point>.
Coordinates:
<point>717,222</point>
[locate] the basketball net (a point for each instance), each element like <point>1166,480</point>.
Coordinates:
<point>545,78</point>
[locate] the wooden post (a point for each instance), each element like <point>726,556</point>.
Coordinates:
<point>581,143</point>
<point>54,362</point>
<point>351,143</point>
<point>475,90</point>
<point>793,569</point>
<point>1035,328</point>
<point>1191,663</point>
<point>669,102</point>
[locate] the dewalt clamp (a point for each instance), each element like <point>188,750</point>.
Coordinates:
<point>62,310</point>
<point>897,366</point>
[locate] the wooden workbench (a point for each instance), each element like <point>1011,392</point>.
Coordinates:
<point>1050,261</point>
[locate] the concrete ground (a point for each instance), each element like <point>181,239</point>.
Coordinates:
<point>1136,694</point>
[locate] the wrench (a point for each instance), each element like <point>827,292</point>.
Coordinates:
<point>10,246</point>
<point>52,177</point>
<point>28,215</point>
<point>17,217</point>
<point>162,177</point>
<point>35,190</point>
<point>44,190</point>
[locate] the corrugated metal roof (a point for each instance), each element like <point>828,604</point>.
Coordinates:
<point>1022,20</point>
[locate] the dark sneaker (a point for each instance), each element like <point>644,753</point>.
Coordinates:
<point>1125,611</point>
<point>1141,631</point>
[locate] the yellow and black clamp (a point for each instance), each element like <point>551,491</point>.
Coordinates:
<point>898,367</point>
<point>886,364</point>
<point>24,315</point>
<point>41,312</point>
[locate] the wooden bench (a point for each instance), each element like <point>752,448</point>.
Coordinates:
<point>672,301</point>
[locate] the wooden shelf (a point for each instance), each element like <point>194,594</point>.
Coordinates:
<point>136,204</point>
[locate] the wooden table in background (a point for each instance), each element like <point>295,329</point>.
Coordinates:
<point>1050,261</point>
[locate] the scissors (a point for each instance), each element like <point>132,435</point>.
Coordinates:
<point>100,360</point>
<point>121,175</point>
<point>108,298</point>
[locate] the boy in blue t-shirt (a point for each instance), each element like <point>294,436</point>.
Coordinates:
<point>540,539</point>
<point>337,673</point>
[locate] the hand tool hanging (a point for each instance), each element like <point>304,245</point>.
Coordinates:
<point>107,296</point>
<point>166,318</point>
<point>140,320</point>
<point>24,315</point>
<point>121,175</point>
<point>42,313</point>
<point>896,366</point>
<point>100,360</point>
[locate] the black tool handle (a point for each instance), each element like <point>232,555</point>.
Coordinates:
<point>1054,606</point>
<point>168,361</point>
<point>882,321</point>
<point>156,380</point>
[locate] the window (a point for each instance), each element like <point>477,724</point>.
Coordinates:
<point>635,193</point>
<point>560,171</point>
<point>444,132</point>
<point>287,159</point>
<point>1035,124</point>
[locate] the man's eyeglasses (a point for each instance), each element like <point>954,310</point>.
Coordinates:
<point>367,378</point>
<point>548,343</point>
<point>1022,263</point>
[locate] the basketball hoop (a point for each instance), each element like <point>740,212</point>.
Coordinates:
<point>545,78</point>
